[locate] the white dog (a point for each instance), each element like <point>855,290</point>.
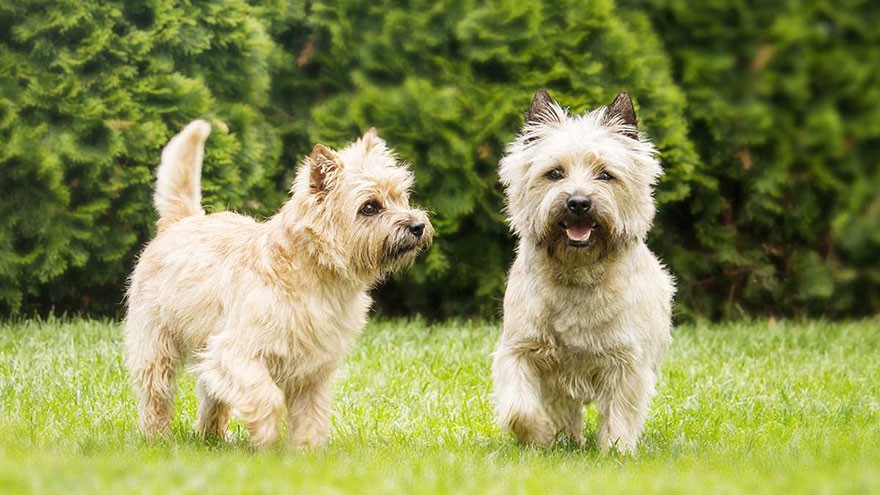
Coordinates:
<point>587,311</point>
<point>267,310</point>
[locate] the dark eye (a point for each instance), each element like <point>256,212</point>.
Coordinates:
<point>370,208</point>
<point>604,176</point>
<point>555,174</point>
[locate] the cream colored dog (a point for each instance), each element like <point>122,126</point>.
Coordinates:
<point>587,312</point>
<point>267,311</point>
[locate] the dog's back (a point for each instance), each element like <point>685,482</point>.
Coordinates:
<point>180,281</point>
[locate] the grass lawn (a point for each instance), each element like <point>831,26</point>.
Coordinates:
<point>742,408</point>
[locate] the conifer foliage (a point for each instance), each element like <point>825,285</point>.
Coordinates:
<point>784,108</point>
<point>766,115</point>
<point>89,93</point>
<point>448,83</point>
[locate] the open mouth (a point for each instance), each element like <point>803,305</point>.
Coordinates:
<point>579,232</point>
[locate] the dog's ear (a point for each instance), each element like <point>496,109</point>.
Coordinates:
<point>621,111</point>
<point>541,110</point>
<point>371,140</point>
<point>325,167</point>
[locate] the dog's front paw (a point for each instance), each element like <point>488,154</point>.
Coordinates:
<point>532,430</point>
<point>266,431</point>
<point>623,444</point>
<point>308,440</point>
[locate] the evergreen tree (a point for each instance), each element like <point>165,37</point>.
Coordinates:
<point>447,83</point>
<point>784,105</point>
<point>89,94</point>
<point>769,204</point>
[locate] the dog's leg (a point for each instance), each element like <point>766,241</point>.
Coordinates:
<point>569,415</point>
<point>152,361</point>
<point>623,409</point>
<point>518,399</point>
<point>244,383</point>
<point>308,413</point>
<point>213,414</point>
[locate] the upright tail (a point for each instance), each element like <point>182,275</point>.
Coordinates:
<point>178,180</point>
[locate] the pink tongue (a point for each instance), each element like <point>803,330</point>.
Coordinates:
<point>578,233</point>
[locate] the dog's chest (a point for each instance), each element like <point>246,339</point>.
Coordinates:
<point>321,331</point>
<point>592,344</point>
<point>583,372</point>
<point>587,320</point>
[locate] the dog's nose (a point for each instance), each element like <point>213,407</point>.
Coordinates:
<point>579,205</point>
<point>417,228</point>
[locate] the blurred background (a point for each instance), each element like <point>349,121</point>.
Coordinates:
<point>767,116</point>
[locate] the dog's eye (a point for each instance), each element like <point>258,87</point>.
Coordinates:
<point>604,176</point>
<point>555,174</point>
<point>370,208</point>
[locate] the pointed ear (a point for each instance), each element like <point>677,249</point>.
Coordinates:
<point>324,168</point>
<point>371,140</point>
<point>621,111</point>
<point>541,109</point>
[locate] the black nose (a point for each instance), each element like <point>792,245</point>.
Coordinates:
<point>417,228</point>
<point>579,205</point>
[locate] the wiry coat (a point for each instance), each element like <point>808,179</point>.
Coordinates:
<point>587,311</point>
<point>266,311</point>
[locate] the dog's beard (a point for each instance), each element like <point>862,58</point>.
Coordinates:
<point>381,254</point>
<point>400,251</point>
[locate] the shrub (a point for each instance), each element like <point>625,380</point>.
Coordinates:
<point>769,204</point>
<point>89,94</point>
<point>447,83</point>
<point>784,107</point>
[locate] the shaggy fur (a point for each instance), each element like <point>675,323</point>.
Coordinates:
<point>587,311</point>
<point>265,311</point>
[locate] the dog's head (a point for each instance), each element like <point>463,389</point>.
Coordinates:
<point>355,204</point>
<point>579,185</point>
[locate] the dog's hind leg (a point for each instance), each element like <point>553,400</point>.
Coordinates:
<point>243,382</point>
<point>152,360</point>
<point>213,414</point>
<point>569,415</point>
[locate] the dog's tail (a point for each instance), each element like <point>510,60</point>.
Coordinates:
<point>178,180</point>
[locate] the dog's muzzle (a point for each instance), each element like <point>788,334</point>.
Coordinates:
<point>578,223</point>
<point>410,237</point>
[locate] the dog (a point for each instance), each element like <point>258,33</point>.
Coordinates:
<point>587,310</point>
<point>265,311</point>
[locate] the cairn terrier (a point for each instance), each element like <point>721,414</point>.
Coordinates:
<point>587,312</point>
<point>265,311</point>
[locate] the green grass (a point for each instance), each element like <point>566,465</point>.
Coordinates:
<point>742,408</point>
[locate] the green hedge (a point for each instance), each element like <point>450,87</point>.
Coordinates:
<point>765,115</point>
<point>784,108</point>
<point>448,82</point>
<point>89,93</point>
